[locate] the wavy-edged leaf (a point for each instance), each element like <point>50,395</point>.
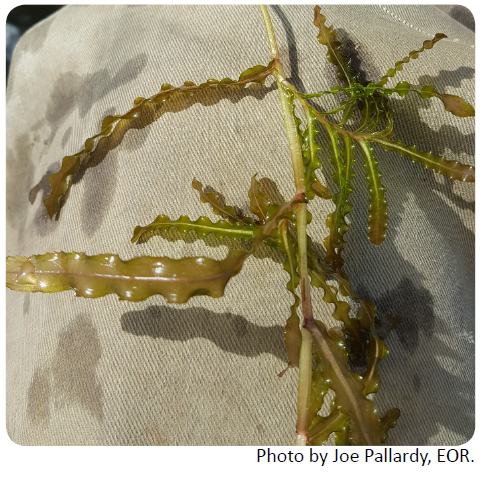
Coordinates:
<point>375,108</point>
<point>387,114</point>
<point>343,437</point>
<point>377,351</point>
<point>358,333</point>
<point>342,309</point>
<point>369,111</point>
<point>450,168</point>
<point>354,334</point>
<point>322,427</point>
<point>321,191</point>
<point>227,212</point>
<point>203,226</point>
<point>276,213</point>
<point>310,151</point>
<point>377,207</point>
<point>348,388</point>
<point>71,163</point>
<point>365,332</point>
<point>292,333</point>
<point>319,388</point>
<point>401,88</point>
<point>138,278</point>
<point>454,104</point>
<point>259,203</point>
<point>366,312</point>
<point>387,422</point>
<point>59,181</point>
<point>335,90</point>
<point>414,54</point>
<point>457,105</point>
<point>327,37</point>
<point>335,221</point>
<point>133,280</point>
<point>384,112</point>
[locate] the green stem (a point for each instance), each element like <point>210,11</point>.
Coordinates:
<point>286,98</point>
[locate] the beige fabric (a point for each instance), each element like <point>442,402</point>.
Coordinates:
<point>101,372</point>
<point>460,13</point>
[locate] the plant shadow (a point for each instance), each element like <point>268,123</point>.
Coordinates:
<point>229,332</point>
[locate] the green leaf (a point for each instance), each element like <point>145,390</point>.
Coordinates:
<point>366,312</point>
<point>292,333</point>
<point>427,91</point>
<point>319,388</point>
<point>136,279</point>
<point>387,422</point>
<point>348,387</point>
<point>203,226</point>
<point>377,209</point>
<point>402,88</point>
<point>376,108</point>
<point>414,54</point>
<point>257,74</point>
<point>457,105</point>
<point>353,331</point>
<point>71,163</point>
<point>376,351</point>
<point>322,427</point>
<point>276,213</point>
<point>342,309</point>
<point>450,168</point>
<point>59,181</point>
<point>271,232</point>
<point>453,103</point>
<point>310,151</point>
<point>213,199</point>
<point>327,37</point>
<point>333,91</point>
<point>366,317</point>
<point>259,202</point>
<point>387,114</point>
<point>335,221</point>
<point>360,331</point>
<point>133,280</point>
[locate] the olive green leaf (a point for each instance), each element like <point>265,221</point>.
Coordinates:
<point>310,151</point>
<point>327,37</point>
<point>322,427</point>
<point>414,54</point>
<point>377,209</point>
<point>348,387</point>
<point>203,226</point>
<point>387,422</point>
<point>133,280</point>
<point>227,212</point>
<point>71,163</point>
<point>453,103</point>
<point>319,388</point>
<point>335,221</point>
<point>259,202</point>
<point>292,333</point>
<point>457,105</point>
<point>450,168</point>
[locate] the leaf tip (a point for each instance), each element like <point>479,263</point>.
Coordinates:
<point>457,105</point>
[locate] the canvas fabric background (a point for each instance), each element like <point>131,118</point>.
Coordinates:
<point>106,372</point>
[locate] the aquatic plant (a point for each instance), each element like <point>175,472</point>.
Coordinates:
<point>344,360</point>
